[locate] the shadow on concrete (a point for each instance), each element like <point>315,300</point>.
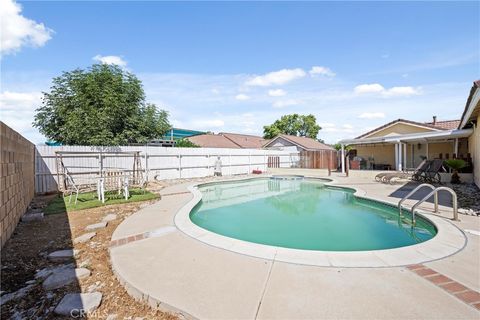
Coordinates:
<point>444,198</point>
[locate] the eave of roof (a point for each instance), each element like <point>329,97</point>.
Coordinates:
<point>420,124</point>
<point>411,137</point>
<point>321,146</point>
<point>472,102</point>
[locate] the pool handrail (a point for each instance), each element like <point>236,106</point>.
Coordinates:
<point>435,192</point>
<point>415,190</point>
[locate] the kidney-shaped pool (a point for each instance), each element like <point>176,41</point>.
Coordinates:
<point>305,214</point>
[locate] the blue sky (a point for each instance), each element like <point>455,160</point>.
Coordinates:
<point>238,66</point>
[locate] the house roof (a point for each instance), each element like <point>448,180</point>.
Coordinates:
<point>439,125</point>
<point>447,124</point>
<point>213,141</point>
<point>245,141</point>
<point>472,107</point>
<point>302,142</point>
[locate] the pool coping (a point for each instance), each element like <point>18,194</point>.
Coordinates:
<point>448,240</point>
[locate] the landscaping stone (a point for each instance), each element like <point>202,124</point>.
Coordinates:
<point>111,317</point>
<point>109,217</point>
<point>64,277</point>
<point>84,263</point>
<point>45,272</point>
<point>96,226</point>
<point>84,237</point>
<point>78,303</point>
<point>20,293</point>
<point>32,217</point>
<point>62,255</point>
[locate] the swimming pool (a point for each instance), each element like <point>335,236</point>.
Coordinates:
<point>304,214</point>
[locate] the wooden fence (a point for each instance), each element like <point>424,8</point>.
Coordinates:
<point>320,159</point>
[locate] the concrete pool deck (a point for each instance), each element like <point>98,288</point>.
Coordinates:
<point>168,269</point>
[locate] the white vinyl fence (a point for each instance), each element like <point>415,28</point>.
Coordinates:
<point>159,162</point>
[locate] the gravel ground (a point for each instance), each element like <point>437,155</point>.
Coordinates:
<point>468,195</point>
<point>26,252</point>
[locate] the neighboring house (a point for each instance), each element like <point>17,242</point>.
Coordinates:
<point>470,121</point>
<point>228,140</point>
<point>404,144</point>
<point>295,143</point>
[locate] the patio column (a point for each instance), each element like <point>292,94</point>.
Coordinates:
<point>399,163</point>
<point>343,158</point>
<point>398,151</point>
<point>404,163</point>
<point>455,151</point>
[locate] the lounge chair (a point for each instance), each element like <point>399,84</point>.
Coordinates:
<point>415,174</point>
<point>432,174</point>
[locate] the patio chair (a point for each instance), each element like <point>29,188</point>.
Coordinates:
<point>432,174</point>
<point>415,174</point>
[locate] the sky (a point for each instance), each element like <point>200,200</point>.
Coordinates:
<point>237,66</point>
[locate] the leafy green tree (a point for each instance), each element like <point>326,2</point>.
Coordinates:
<point>185,143</point>
<point>103,105</point>
<point>293,124</point>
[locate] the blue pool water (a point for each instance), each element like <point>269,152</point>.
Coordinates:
<point>304,214</point>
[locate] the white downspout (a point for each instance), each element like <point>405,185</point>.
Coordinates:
<point>343,158</point>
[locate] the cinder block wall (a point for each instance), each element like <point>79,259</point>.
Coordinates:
<point>17,179</point>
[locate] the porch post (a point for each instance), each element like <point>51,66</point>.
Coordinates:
<point>343,158</point>
<point>396,156</point>
<point>404,155</point>
<point>399,168</point>
<point>455,151</point>
<point>426,151</point>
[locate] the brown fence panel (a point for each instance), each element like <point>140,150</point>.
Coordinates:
<point>320,159</point>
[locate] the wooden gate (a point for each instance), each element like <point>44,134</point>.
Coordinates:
<point>320,159</point>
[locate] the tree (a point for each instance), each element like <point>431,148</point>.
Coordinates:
<point>293,124</point>
<point>185,143</point>
<point>104,105</point>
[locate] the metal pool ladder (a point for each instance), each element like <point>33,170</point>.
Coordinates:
<point>434,193</point>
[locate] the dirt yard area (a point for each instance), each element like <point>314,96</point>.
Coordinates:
<point>27,250</point>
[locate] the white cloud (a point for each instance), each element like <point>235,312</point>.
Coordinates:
<point>18,111</point>
<point>372,115</point>
<point>276,93</point>
<point>242,97</point>
<point>110,60</point>
<point>18,31</point>
<point>402,91</point>
<point>369,88</point>
<point>204,124</point>
<point>285,103</point>
<point>376,88</point>
<point>321,71</point>
<point>276,78</point>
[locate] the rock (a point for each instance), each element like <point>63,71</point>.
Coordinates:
<point>45,272</point>
<point>15,295</point>
<point>62,255</point>
<point>94,287</point>
<point>50,295</point>
<point>77,304</point>
<point>84,263</point>
<point>111,317</point>
<point>32,217</point>
<point>109,217</point>
<point>64,277</point>
<point>96,226</point>
<point>84,237</point>
<point>30,282</point>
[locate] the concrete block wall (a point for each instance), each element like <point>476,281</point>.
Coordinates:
<point>16,179</point>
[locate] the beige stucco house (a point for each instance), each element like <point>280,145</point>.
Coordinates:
<point>404,144</point>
